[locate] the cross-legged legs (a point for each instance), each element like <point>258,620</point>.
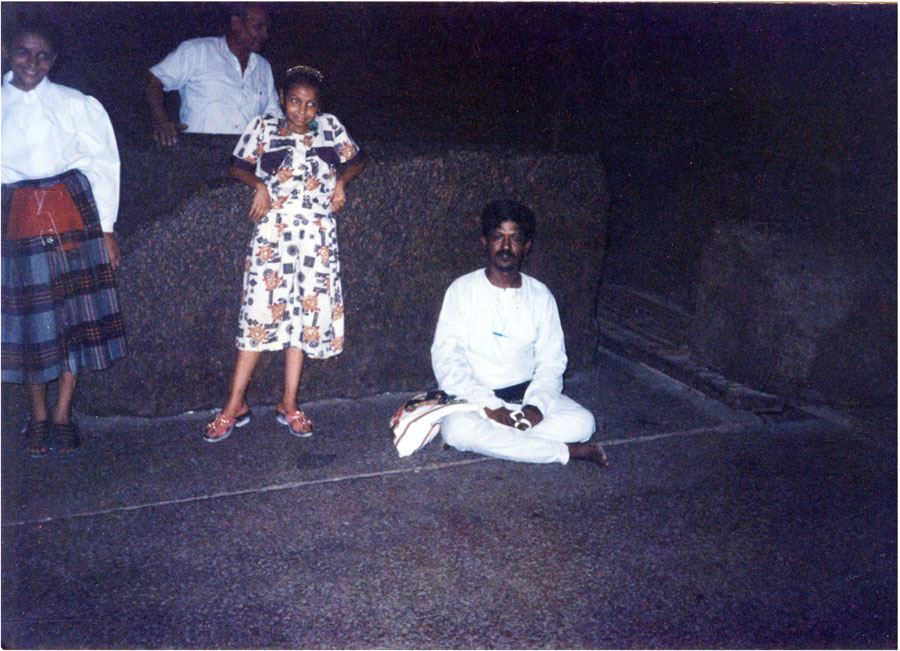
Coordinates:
<point>561,435</point>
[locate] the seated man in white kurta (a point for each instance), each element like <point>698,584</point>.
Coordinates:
<point>499,344</point>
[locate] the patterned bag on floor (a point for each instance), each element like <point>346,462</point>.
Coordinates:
<point>419,420</point>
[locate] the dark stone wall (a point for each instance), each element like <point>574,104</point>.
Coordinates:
<point>762,199</point>
<point>784,257</point>
<point>409,228</point>
<point>155,181</point>
<point>778,311</point>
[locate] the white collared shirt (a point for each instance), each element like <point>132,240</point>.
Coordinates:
<point>52,129</point>
<point>489,338</point>
<point>215,96</point>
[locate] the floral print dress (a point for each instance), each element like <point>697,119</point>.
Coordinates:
<point>292,280</point>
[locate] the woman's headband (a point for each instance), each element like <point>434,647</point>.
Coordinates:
<point>305,69</point>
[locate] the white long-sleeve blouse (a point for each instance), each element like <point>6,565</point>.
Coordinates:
<point>52,129</point>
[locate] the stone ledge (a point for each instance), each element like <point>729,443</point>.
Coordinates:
<point>409,228</point>
<point>633,326</point>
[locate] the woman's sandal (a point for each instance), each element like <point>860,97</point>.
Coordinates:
<point>222,426</point>
<point>298,422</point>
<point>37,439</point>
<point>66,435</point>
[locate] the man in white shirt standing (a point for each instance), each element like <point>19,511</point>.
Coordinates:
<point>222,81</point>
<point>499,344</point>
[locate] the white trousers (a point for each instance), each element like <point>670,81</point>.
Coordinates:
<point>565,422</point>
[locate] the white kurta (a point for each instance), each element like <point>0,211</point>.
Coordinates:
<point>52,129</point>
<point>216,97</point>
<point>489,338</point>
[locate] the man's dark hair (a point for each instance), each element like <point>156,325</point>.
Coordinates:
<point>497,212</point>
<point>241,9</point>
<point>237,10</point>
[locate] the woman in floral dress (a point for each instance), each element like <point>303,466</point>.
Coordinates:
<point>298,167</point>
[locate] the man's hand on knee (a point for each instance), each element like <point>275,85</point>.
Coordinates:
<point>533,414</point>
<point>502,415</point>
<point>527,417</point>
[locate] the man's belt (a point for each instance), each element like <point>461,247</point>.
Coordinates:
<point>515,393</point>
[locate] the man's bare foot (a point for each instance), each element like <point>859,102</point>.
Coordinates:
<point>588,452</point>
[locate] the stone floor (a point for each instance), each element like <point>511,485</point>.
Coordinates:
<point>711,528</point>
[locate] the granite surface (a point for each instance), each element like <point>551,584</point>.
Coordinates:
<point>408,229</point>
<point>782,313</point>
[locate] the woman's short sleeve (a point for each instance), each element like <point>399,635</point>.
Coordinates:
<point>249,146</point>
<point>337,136</point>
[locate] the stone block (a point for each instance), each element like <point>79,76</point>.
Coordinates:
<point>156,180</point>
<point>785,313</point>
<point>409,228</point>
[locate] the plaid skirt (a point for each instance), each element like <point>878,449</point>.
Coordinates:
<point>60,308</point>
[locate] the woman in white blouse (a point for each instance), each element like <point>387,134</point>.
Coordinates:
<point>60,174</point>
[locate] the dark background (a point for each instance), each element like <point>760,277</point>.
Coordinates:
<point>580,74</point>
<point>808,81</point>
